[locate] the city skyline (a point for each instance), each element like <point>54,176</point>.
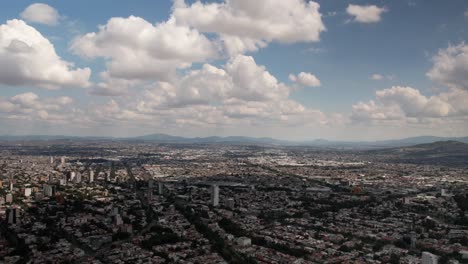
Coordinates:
<point>297,70</point>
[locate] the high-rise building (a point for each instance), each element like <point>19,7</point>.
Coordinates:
<point>78,177</point>
<point>118,220</point>
<point>91,176</point>
<point>9,198</point>
<point>215,195</point>
<point>72,176</point>
<point>413,238</point>
<point>27,192</point>
<point>47,189</point>
<point>13,215</point>
<point>160,188</point>
<point>11,186</point>
<point>51,160</point>
<point>63,181</point>
<point>429,258</point>
<point>62,161</point>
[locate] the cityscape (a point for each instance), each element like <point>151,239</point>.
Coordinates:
<point>234,131</point>
<point>142,202</point>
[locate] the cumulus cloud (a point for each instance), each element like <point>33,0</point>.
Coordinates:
<point>305,79</point>
<point>245,25</point>
<point>239,92</point>
<point>137,49</point>
<point>29,106</point>
<point>365,13</point>
<point>239,79</point>
<point>41,14</point>
<point>28,58</point>
<point>451,67</point>
<point>406,103</point>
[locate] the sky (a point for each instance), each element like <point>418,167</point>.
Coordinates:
<point>288,69</point>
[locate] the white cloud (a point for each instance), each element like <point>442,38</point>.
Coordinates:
<point>41,13</point>
<point>451,67</point>
<point>28,58</point>
<point>365,13</point>
<point>241,79</point>
<point>305,79</point>
<point>245,25</point>
<point>377,77</point>
<point>239,93</point>
<point>137,49</point>
<point>408,104</point>
<point>28,106</point>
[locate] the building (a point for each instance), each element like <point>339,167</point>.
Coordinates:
<point>406,200</point>
<point>38,196</point>
<point>13,215</point>
<point>47,189</point>
<point>117,220</point>
<point>27,192</point>
<point>429,258</point>
<point>215,195</point>
<point>63,181</point>
<point>244,241</point>
<point>62,161</point>
<point>160,188</point>
<point>9,198</point>
<point>72,176</point>
<point>78,177</point>
<point>230,203</point>
<point>413,238</point>
<point>51,160</point>
<point>464,254</point>
<point>91,176</point>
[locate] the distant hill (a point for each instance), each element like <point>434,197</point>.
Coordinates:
<point>322,143</point>
<point>163,138</point>
<point>447,153</point>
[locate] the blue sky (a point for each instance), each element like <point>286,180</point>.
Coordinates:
<point>390,68</point>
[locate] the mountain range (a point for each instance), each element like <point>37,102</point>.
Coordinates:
<point>164,138</point>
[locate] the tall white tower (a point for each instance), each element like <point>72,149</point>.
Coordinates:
<point>91,176</point>
<point>62,161</point>
<point>215,195</point>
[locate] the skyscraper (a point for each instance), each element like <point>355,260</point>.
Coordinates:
<point>91,176</point>
<point>47,189</point>
<point>12,215</point>
<point>160,188</point>
<point>215,195</point>
<point>9,198</point>
<point>62,161</point>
